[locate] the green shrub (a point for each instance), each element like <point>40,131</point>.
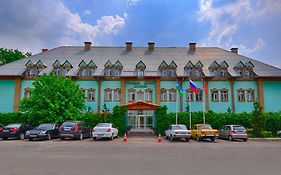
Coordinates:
<point>266,134</point>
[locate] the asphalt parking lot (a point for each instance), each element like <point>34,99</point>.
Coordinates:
<point>139,156</point>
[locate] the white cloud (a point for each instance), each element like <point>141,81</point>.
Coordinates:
<point>87,12</point>
<point>258,45</point>
<point>50,24</point>
<point>132,2</point>
<point>225,20</point>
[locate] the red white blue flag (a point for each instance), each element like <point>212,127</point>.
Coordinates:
<point>204,87</point>
<point>193,87</point>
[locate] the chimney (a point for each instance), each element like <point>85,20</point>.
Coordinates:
<point>44,50</point>
<point>129,46</point>
<point>87,45</point>
<point>234,50</point>
<point>192,47</point>
<point>151,46</point>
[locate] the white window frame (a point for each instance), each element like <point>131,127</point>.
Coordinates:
<point>91,95</point>
<point>224,95</point>
<point>214,96</point>
<point>107,95</point>
<point>117,94</point>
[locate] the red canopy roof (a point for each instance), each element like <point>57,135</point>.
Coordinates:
<point>141,105</point>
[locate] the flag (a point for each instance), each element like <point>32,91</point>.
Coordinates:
<point>204,87</point>
<point>193,87</point>
<point>179,88</point>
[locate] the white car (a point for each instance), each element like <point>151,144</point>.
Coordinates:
<point>279,133</point>
<point>104,130</point>
<point>178,132</point>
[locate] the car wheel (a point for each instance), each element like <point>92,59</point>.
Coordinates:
<point>30,139</point>
<point>279,135</point>
<point>213,139</point>
<point>94,138</point>
<point>62,138</point>
<point>172,138</point>
<point>245,140</point>
<point>5,138</point>
<point>111,138</point>
<point>187,139</point>
<point>230,138</point>
<point>81,136</point>
<point>197,138</point>
<point>49,136</point>
<point>21,136</point>
<point>166,137</point>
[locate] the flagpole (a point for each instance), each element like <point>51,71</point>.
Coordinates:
<point>190,112</point>
<point>176,108</point>
<point>203,107</point>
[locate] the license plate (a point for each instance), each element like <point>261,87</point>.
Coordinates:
<point>67,129</point>
<point>210,135</point>
<point>6,130</point>
<point>33,136</point>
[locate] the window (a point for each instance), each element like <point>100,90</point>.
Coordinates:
<point>92,71</point>
<point>65,71</point>
<point>224,95</point>
<point>30,72</point>
<point>214,95</point>
<point>163,95</point>
<point>251,95</point>
<point>57,71</point>
<point>172,95</point>
<point>132,94</point>
<point>107,72</point>
<point>188,72</point>
<point>27,93</point>
<point>199,96</point>
<point>91,94</point>
<point>223,73</point>
<point>117,72</point>
<point>107,95</point>
<point>148,95</point>
<point>117,93</point>
<point>197,73</point>
<point>83,72</point>
<point>241,95</point>
<point>140,72</point>
<point>189,95</point>
<point>140,96</point>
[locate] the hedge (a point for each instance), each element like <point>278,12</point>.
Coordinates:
<point>217,120</point>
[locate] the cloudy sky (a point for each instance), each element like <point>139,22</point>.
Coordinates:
<point>254,26</point>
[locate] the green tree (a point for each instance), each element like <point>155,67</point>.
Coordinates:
<point>258,120</point>
<point>53,99</point>
<point>10,55</point>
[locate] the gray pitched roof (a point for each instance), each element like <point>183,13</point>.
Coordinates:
<point>129,60</point>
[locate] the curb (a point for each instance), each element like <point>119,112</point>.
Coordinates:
<point>265,139</point>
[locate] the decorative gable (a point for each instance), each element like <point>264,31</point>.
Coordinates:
<point>91,64</point>
<point>214,65</point>
<point>249,64</point>
<point>40,64</point>
<point>29,64</point>
<point>189,65</point>
<point>224,64</point>
<point>82,64</point>
<point>199,64</point>
<point>66,64</point>
<point>163,65</point>
<point>108,64</point>
<point>173,65</point>
<point>56,64</point>
<point>141,66</point>
<point>239,65</point>
<point>118,65</point>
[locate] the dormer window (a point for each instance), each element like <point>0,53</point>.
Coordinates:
<point>219,70</point>
<point>140,68</point>
<point>113,70</point>
<point>167,70</point>
<point>87,70</point>
<point>244,70</point>
<point>66,66</point>
<point>57,68</point>
<point>34,69</point>
<point>192,70</point>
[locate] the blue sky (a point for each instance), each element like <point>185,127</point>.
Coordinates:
<point>251,25</point>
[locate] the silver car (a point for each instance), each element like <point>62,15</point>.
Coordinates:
<point>178,132</point>
<point>232,132</point>
<point>104,130</point>
<point>279,133</point>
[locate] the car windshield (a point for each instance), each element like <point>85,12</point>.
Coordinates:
<point>239,128</point>
<point>68,124</point>
<point>179,127</point>
<point>13,126</point>
<point>103,125</point>
<point>45,126</point>
<point>205,127</point>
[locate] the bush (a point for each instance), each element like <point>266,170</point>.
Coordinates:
<point>266,134</point>
<point>17,117</point>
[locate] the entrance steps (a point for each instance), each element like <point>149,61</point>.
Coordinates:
<point>141,133</point>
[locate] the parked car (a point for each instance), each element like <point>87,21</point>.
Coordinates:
<point>232,132</point>
<point>43,131</point>
<point>16,130</point>
<point>104,130</point>
<point>279,133</point>
<point>74,129</point>
<point>177,132</point>
<point>204,131</point>
<point>1,127</point>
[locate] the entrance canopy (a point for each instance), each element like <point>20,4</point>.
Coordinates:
<point>141,105</point>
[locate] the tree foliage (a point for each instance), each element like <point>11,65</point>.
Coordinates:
<point>258,119</point>
<point>53,99</point>
<point>10,55</point>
